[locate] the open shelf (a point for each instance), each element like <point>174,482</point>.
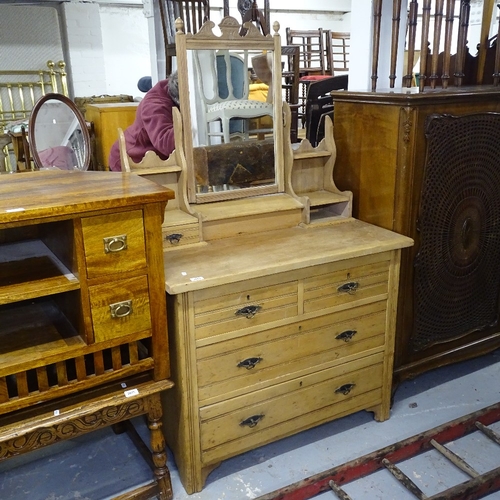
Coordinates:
<point>32,331</point>
<point>322,198</point>
<point>28,269</point>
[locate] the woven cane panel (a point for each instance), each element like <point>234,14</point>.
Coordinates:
<point>457,268</point>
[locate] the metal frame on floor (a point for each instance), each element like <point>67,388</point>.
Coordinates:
<point>478,486</point>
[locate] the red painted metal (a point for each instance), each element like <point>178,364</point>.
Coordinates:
<point>402,450</point>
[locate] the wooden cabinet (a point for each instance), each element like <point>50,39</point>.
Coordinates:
<point>107,119</point>
<point>82,308</point>
<point>425,165</point>
<point>274,333</point>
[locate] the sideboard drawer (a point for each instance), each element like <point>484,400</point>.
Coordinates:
<point>219,314</point>
<point>174,236</point>
<point>120,308</point>
<point>114,243</point>
<point>346,286</point>
<point>235,425</point>
<point>254,361</point>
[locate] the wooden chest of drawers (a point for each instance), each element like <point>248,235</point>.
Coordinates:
<point>275,333</point>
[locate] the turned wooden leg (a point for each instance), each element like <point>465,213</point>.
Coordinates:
<point>161,472</point>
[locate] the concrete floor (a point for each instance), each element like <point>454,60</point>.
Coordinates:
<point>102,464</point>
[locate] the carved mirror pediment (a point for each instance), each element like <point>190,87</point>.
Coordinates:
<point>232,129</point>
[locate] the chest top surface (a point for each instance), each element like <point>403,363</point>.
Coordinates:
<point>254,255</point>
<point>47,194</point>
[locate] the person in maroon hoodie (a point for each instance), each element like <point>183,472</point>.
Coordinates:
<point>153,128</point>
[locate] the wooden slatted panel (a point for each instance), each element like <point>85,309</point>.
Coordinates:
<point>98,363</point>
<point>62,374</point>
<point>43,381</point>
<point>116,358</point>
<point>4,393</point>
<point>22,384</point>
<point>81,371</point>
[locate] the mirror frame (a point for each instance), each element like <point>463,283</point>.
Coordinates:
<point>229,39</point>
<point>83,125</point>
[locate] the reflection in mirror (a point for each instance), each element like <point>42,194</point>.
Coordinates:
<point>58,134</point>
<point>233,125</point>
<point>232,120</point>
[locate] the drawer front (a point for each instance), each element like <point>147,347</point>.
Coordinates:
<point>120,308</point>
<point>256,360</point>
<point>228,313</point>
<point>289,407</point>
<point>346,286</point>
<point>114,243</point>
<point>175,236</point>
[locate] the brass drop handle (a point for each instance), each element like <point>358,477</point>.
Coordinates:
<point>346,335</point>
<point>121,309</point>
<point>345,389</point>
<point>249,363</point>
<point>114,244</point>
<point>249,311</point>
<point>252,421</point>
<point>350,287</point>
<point>174,238</point>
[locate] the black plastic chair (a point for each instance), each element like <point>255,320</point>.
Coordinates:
<point>319,103</point>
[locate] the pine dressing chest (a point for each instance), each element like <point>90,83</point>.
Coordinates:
<point>280,305</point>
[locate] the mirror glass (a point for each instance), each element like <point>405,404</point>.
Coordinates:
<point>232,119</point>
<point>58,134</point>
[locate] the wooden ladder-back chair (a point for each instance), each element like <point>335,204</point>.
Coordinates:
<point>341,44</point>
<point>315,59</point>
<point>192,12</point>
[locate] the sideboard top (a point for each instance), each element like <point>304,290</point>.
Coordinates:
<point>230,260</point>
<point>55,194</point>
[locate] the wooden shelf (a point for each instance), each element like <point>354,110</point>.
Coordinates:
<point>28,270</point>
<point>157,170</point>
<point>31,331</point>
<point>321,198</point>
<point>311,154</point>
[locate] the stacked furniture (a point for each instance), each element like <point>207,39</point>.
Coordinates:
<point>82,310</point>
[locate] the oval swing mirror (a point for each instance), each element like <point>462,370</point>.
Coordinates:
<point>58,134</point>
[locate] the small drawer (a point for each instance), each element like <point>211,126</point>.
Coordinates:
<point>346,286</point>
<point>218,314</point>
<point>254,361</point>
<point>114,243</point>
<point>236,425</point>
<point>120,308</point>
<point>176,236</point>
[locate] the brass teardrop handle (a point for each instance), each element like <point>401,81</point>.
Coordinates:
<point>252,421</point>
<point>249,363</point>
<point>345,389</point>
<point>174,238</point>
<point>346,335</point>
<point>114,244</point>
<point>349,287</point>
<point>249,311</point>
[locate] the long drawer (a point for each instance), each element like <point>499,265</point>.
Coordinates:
<point>238,424</point>
<point>254,361</point>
